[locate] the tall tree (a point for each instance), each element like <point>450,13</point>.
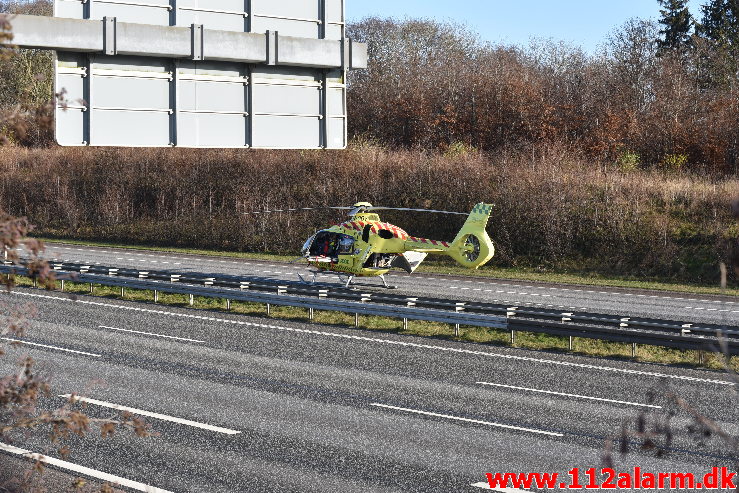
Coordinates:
<point>677,24</point>
<point>719,31</point>
<point>720,22</point>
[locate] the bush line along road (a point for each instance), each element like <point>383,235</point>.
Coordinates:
<point>551,210</point>
<point>245,403</point>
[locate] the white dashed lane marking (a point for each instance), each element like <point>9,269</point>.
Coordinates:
<point>163,336</point>
<point>374,340</point>
<point>93,473</point>
<point>562,394</point>
<point>46,346</point>
<point>466,420</point>
<point>148,414</point>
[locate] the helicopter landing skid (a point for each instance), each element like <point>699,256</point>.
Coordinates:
<point>384,283</point>
<point>347,280</point>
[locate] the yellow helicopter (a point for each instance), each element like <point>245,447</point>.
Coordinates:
<point>364,246</point>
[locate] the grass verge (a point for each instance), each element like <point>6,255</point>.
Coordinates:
<point>444,268</point>
<point>494,337</point>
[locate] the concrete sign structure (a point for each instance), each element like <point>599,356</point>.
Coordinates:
<point>199,73</point>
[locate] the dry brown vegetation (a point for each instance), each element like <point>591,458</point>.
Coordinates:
<point>26,82</point>
<point>436,85</point>
<point>552,209</point>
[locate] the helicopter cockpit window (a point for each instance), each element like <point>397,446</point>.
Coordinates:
<point>346,244</point>
<point>327,244</point>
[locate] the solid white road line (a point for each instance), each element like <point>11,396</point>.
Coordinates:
<point>163,417</point>
<point>486,486</point>
<point>49,347</point>
<point>377,340</point>
<point>93,473</point>
<point>467,420</point>
<point>151,334</point>
<point>568,395</point>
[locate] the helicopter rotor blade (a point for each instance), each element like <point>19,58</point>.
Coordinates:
<point>416,210</point>
<point>298,210</point>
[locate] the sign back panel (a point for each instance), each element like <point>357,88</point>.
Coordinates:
<point>119,100</point>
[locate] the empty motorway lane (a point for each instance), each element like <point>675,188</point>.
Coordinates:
<point>249,404</point>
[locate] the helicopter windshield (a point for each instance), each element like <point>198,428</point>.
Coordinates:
<point>306,245</point>
<point>328,244</point>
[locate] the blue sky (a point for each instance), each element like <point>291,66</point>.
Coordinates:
<point>586,23</point>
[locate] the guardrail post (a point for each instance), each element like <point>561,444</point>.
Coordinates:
<point>459,307</point>
<point>156,296</point>
<point>410,302</point>
<point>566,317</point>
<point>685,330</point>
<point>144,275</point>
<point>62,283</point>
<point>228,304</point>
<point>364,298</point>
<point>192,300</point>
<point>633,350</point>
<point>84,269</point>
<point>114,272</point>
<point>322,295</point>
<point>510,313</point>
<point>269,310</point>
<point>175,278</point>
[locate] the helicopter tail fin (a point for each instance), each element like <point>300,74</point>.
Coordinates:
<point>473,247</point>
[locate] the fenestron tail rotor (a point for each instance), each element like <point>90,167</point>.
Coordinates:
<point>471,248</point>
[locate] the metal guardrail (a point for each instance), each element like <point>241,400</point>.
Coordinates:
<point>514,319</point>
<point>352,307</point>
<point>302,289</point>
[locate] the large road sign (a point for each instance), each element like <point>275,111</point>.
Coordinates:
<point>199,73</point>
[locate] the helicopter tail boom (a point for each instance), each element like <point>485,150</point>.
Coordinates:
<point>471,248</point>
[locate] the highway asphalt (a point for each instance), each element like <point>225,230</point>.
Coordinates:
<point>625,302</point>
<point>283,406</point>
